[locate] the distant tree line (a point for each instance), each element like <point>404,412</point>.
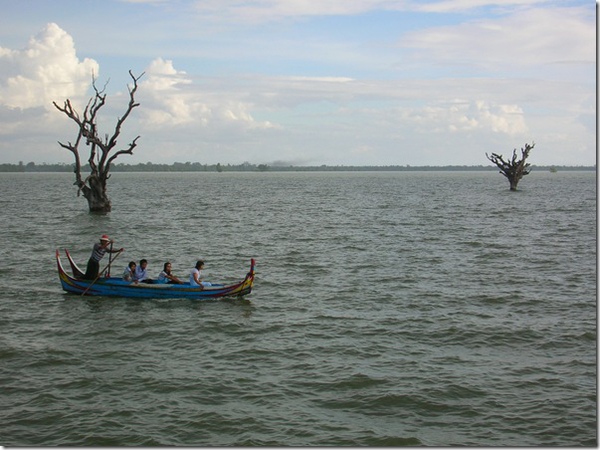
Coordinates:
<point>248,167</point>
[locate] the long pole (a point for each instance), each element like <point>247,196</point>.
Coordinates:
<point>109,259</point>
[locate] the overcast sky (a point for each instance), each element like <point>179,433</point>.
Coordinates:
<point>305,82</point>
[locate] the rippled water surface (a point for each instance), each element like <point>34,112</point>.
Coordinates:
<point>403,308</point>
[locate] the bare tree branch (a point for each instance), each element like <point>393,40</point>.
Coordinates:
<point>515,169</point>
<point>100,150</point>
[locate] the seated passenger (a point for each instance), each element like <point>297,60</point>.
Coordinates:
<point>196,276</point>
<point>129,272</point>
<point>141,273</point>
<point>167,277</point>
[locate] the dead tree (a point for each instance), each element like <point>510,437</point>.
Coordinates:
<point>514,169</point>
<point>101,155</point>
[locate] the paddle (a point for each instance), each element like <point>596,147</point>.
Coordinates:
<point>100,273</point>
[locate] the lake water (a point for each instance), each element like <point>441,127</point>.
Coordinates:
<point>389,309</point>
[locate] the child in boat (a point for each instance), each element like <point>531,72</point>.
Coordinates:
<point>167,277</point>
<point>129,271</point>
<point>196,275</point>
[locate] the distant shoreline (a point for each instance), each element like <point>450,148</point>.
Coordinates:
<point>247,167</point>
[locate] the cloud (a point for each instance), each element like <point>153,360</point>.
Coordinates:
<point>172,99</point>
<point>254,11</point>
<point>162,86</point>
<point>523,39</point>
<point>453,6</point>
<point>47,70</point>
<point>260,11</point>
<point>466,116</point>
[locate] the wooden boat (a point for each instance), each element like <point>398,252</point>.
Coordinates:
<point>117,287</point>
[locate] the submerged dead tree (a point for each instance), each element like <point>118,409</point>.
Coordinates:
<point>515,169</point>
<point>102,150</point>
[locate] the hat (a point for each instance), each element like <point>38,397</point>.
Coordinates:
<point>104,237</point>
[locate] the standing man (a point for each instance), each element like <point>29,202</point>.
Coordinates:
<point>100,249</point>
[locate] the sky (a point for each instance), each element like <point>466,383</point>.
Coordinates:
<point>304,82</point>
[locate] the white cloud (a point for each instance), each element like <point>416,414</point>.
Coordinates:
<point>463,116</point>
<point>269,10</point>
<point>526,38</point>
<point>259,11</point>
<point>163,87</point>
<point>172,99</point>
<point>46,70</point>
<point>450,6</point>
<point>508,119</point>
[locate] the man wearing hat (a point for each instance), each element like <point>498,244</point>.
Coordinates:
<point>100,249</point>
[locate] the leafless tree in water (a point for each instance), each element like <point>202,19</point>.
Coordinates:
<point>103,151</point>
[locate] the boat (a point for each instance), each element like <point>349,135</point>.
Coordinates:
<point>117,287</point>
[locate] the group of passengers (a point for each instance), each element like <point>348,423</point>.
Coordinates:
<point>139,273</point>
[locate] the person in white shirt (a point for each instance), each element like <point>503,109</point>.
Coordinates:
<point>196,278</point>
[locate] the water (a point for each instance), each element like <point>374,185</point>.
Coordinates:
<point>430,308</point>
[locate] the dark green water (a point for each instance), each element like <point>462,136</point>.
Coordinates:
<point>389,309</point>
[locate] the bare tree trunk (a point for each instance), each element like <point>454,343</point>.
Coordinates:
<point>100,159</point>
<point>95,194</point>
